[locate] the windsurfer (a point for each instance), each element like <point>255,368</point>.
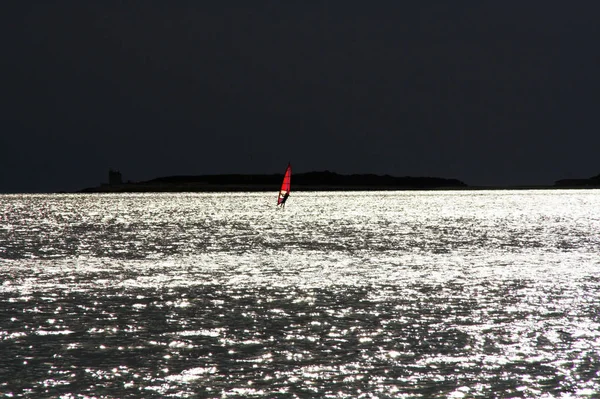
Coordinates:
<point>284,191</point>
<point>284,198</point>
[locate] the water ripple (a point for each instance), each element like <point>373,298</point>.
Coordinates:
<point>345,295</point>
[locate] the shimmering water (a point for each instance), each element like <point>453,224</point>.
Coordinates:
<point>464,294</point>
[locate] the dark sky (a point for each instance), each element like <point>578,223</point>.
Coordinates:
<point>489,92</point>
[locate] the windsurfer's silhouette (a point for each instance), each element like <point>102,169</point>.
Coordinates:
<point>285,197</point>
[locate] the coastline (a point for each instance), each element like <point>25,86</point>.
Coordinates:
<point>128,188</point>
<point>311,181</point>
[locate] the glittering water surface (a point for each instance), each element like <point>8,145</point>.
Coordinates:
<point>464,294</point>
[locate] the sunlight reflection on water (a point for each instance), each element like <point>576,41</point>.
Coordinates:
<point>394,294</point>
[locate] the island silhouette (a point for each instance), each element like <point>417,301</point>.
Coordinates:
<point>590,182</point>
<point>309,181</point>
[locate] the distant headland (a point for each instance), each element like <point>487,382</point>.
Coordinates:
<point>592,182</point>
<point>310,181</point>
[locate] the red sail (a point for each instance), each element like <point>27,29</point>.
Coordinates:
<point>285,186</point>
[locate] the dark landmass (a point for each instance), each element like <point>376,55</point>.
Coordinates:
<point>311,181</point>
<point>579,183</point>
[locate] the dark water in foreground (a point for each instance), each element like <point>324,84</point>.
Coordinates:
<point>404,295</point>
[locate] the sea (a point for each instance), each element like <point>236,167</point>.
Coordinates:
<point>391,294</point>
